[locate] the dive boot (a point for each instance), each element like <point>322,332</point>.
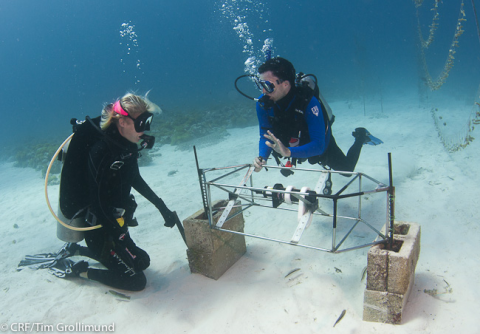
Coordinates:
<point>67,268</point>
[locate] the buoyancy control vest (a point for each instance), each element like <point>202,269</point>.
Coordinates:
<point>74,186</point>
<point>290,125</point>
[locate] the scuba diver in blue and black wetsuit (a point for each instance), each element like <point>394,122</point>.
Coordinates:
<point>296,125</point>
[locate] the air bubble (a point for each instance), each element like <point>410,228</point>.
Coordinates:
<point>243,14</point>
<point>130,40</point>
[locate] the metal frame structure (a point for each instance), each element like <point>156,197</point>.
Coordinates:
<point>305,199</point>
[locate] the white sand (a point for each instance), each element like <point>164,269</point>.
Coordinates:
<point>436,189</point>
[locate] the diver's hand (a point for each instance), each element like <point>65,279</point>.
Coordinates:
<point>258,163</point>
<point>277,145</point>
<point>170,217</point>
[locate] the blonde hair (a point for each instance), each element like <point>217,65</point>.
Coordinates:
<point>133,104</point>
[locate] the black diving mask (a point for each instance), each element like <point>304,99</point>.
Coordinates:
<point>142,122</point>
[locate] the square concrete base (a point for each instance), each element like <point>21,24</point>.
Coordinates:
<point>211,252</point>
<point>384,307</point>
<point>391,275</point>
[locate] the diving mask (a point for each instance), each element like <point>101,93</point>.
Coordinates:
<point>266,85</point>
<point>142,122</point>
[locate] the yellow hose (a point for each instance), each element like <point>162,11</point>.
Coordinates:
<point>82,229</point>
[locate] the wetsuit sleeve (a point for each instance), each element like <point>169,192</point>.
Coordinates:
<point>319,133</point>
<point>144,189</point>
<point>264,125</point>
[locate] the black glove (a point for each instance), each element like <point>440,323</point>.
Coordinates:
<point>170,217</point>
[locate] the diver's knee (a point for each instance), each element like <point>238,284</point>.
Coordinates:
<point>142,260</point>
<point>139,282</point>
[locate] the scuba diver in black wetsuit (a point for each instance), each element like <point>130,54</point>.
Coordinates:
<point>295,124</point>
<point>112,172</point>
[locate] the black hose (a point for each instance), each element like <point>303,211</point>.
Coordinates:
<point>236,87</point>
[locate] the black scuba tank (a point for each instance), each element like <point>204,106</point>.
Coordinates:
<point>74,191</point>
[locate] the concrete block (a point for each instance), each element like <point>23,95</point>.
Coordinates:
<point>377,264</point>
<point>401,264</point>
<point>384,307</point>
<point>391,275</point>
<point>211,252</point>
<point>390,270</point>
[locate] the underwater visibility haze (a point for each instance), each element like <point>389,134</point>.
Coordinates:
<point>63,59</point>
<point>406,70</point>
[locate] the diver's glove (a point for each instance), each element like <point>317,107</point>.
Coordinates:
<point>170,217</point>
<point>258,163</point>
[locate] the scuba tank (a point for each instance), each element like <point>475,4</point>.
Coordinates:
<point>73,192</point>
<point>64,233</point>
<point>310,80</point>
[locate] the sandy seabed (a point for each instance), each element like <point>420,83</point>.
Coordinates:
<point>434,188</point>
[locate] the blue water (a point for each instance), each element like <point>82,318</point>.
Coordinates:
<point>62,59</point>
